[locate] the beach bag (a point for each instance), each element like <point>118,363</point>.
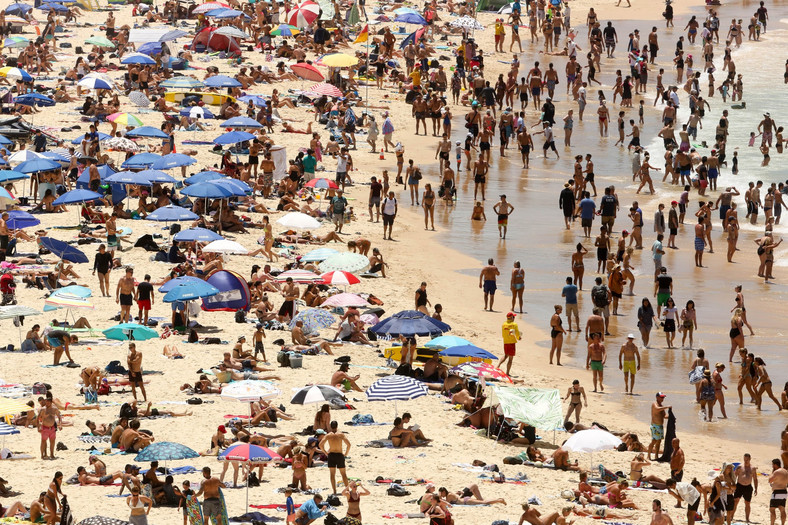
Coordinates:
<point>330,519</point>
<point>39,389</point>
<point>114,367</point>
<point>696,375</point>
<point>252,480</point>
<point>599,295</point>
<point>212,341</point>
<point>512,460</point>
<point>333,500</point>
<point>404,370</point>
<point>104,389</point>
<point>91,396</point>
<point>283,358</point>
<point>193,337</point>
<point>397,490</point>
<point>240,316</point>
<point>126,411</point>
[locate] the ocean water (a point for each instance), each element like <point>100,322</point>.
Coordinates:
<point>538,239</point>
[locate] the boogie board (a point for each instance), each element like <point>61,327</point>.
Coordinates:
<point>212,99</point>
<point>194,511</point>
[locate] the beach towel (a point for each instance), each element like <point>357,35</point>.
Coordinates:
<point>95,439</point>
<point>254,517</point>
<point>272,506</point>
<point>670,433</point>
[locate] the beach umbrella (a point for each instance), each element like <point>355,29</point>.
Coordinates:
<point>466,22</point>
<point>100,41</point>
<point>125,119</point>
<point>129,177</point>
<point>257,100</point>
<point>345,300</point>
<point>316,394</point>
<point>410,323</point>
<point>166,451</point>
<point>298,276</point>
<point>59,8</point>
<point>248,453</point>
<point>298,221</point>
<point>5,194</point>
<point>303,14</point>
<point>157,176</point>
<point>103,520</point>
<point>16,20</point>
<point>222,81</point>
<point>414,37</point>
<point>396,388</point>
<point>5,141</point>
<point>12,175</point>
<point>340,278</point>
<point>231,31</point>
<point>370,319</point>
<point>172,213</point>
<point>203,176</point>
<point>74,290</point>
<point>226,13</point>
<point>150,48</point>
<point>182,83</point>
<point>63,250</point>
<point>233,137</point>
<point>345,262</point>
<point>95,83</point>
<point>188,291</point>
<point>76,196</point>
<point>238,187</point>
<point>478,369</point>
<point>197,112</point>
<point>320,254</point>
<point>34,99</point>
<point>248,390</point>
<point>12,407</point>
<point>138,58</point>
<point>7,430</point>
<point>148,132</point>
<point>140,160</point>
<point>225,246</point>
<point>325,89</point>
<point>139,99</point>
<point>18,9</point>
<point>15,41</point>
<point>471,351</point>
<point>121,144</point>
<point>209,6</point>
<point>592,440</point>
<point>411,18</point>
<point>36,165</point>
<point>322,183</point>
<point>19,220</point>
<point>183,279</point>
<point>285,30</point>
<point>240,122</point>
<point>314,319</point>
<point>23,155</point>
<point>307,72</point>
<point>206,190</point>
<point>130,332</point>
<point>197,235</point>
<point>15,312</point>
<point>173,160</point>
<point>446,341</point>
<point>405,10</point>
<point>101,136</point>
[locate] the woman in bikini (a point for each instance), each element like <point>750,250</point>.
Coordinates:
<point>435,512</point>
<point>747,375</point>
<point>578,269</point>
<point>764,384</point>
<point>428,203</point>
<point>299,469</point>
<point>51,501</point>
<point>467,496</point>
<point>740,305</point>
<point>689,322</point>
<point>636,473</point>
<point>716,381</point>
<point>736,334</point>
<point>557,332</point>
<point>517,285</point>
<point>575,405</point>
<point>353,493</point>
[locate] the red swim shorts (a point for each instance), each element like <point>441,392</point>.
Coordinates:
<point>509,349</point>
<point>48,433</point>
<point>144,305</point>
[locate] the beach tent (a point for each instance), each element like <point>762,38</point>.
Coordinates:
<point>233,293</point>
<point>538,407</point>
<point>207,40</point>
<point>118,190</point>
<point>279,156</point>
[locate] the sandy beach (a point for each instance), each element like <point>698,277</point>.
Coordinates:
<point>449,260</point>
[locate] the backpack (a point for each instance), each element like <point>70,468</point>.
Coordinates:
<point>126,411</point>
<point>334,501</point>
<point>193,337</point>
<point>397,490</point>
<point>252,480</point>
<point>240,316</point>
<point>599,295</point>
<point>338,205</point>
<point>404,370</point>
<point>283,358</point>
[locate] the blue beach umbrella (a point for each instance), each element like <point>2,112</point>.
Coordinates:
<point>138,58</point>
<point>166,451</point>
<point>5,141</point>
<point>158,176</point>
<point>203,176</point>
<point>172,213</point>
<point>147,132</point>
<point>36,165</point>
<point>130,332</point>
<point>197,112</point>
<point>197,234</point>
<point>254,99</point>
<point>63,250</point>
<point>446,341</point>
<point>74,290</point>
<point>101,137</point>
<point>76,196</point>
<point>18,9</point>
<point>173,160</point>
<point>238,187</point>
<point>150,48</point>
<point>129,177</point>
<point>233,137</point>
<point>190,291</point>
<point>140,160</point>
<point>411,18</point>
<point>467,351</point>
<point>34,99</point>
<point>222,81</point>
<point>207,190</point>
<point>59,8</point>
<point>19,220</point>
<point>240,122</point>
<point>12,175</point>
<point>410,323</point>
<point>172,283</point>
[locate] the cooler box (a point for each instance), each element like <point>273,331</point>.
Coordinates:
<point>423,354</point>
<point>296,360</point>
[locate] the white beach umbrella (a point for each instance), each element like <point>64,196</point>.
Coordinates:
<point>231,31</point>
<point>23,155</point>
<point>248,391</point>
<point>299,221</point>
<point>225,246</point>
<point>592,440</point>
<point>466,22</point>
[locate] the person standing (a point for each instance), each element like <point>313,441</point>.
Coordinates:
<point>570,293</point>
<point>677,460</point>
<point>511,334</point>
<point>332,444</point>
<point>595,360</point>
<point>503,209</point>
<point>778,480</point>
<point>629,363</point>
<point>134,360</point>
<point>102,264</point>
<point>487,282</point>
<point>421,299</point>
<point>140,507</point>
<point>211,504</point>
<point>658,412</point>
<point>144,298</point>
<point>338,205</point>
<point>746,481</point>
<point>389,210</point>
<point>575,405</point>
<point>124,295</point>
<point>517,285</point>
<point>50,421</point>
<point>375,190</point>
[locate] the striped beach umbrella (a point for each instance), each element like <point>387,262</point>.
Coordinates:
<point>340,278</point>
<point>125,119</point>
<point>299,276</point>
<point>396,388</point>
<point>12,407</point>
<point>68,301</point>
<point>303,14</point>
<point>324,88</point>
<point>479,369</point>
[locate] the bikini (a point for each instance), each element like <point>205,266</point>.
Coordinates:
<point>573,402</point>
<point>554,333</point>
<point>351,499</point>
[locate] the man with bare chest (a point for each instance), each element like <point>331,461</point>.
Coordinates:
<point>487,282</point>
<point>332,444</point>
<point>124,295</point>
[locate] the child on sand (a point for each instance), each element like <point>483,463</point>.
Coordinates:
<point>290,506</point>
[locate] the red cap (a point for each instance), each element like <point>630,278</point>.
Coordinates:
<point>222,429</point>
<point>674,202</point>
<point>510,314</point>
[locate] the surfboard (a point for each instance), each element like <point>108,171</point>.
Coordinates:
<point>212,99</point>
<point>194,511</point>
<point>224,519</point>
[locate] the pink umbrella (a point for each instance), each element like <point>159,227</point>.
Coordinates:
<point>303,14</point>
<point>340,278</point>
<point>209,6</point>
<point>299,276</point>
<point>307,72</point>
<point>325,89</point>
<point>345,300</point>
<point>370,319</point>
<point>322,183</point>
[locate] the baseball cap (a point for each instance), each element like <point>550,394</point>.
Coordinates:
<point>674,202</point>
<point>510,314</point>
<point>631,336</point>
<point>222,429</point>
<point>660,394</point>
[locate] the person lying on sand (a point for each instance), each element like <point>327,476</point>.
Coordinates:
<point>87,479</point>
<point>98,429</point>
<point>470,495</point>
<point>204,386</point>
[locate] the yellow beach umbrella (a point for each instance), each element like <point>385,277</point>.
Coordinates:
<point>125,119</point>
<point>12,407</point>
<point>338,60</point>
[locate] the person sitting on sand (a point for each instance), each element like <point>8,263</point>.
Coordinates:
<point>132,440</point>
<point>534,517</point>
<point>615,495</point>
<point>343,381</point>
<point>401,437</point>
<point>636,472</point>
<point>470,495</point>
<point>406,417</point>
<point>172,352</point>
<point>87,479</point>
<point>534,454</point>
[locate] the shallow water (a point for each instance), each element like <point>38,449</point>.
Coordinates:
<point>537,237</point>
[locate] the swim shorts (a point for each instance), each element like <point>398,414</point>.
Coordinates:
<point>126,299</point>
<point>597,366</point>
<point>336,460</point>
<point>489,287</point>
<point>700,244</point>
<point>778,498</point>
<point>509,349</point>
<point>630,367</point>
<point>743,491</point>
<point>662,299</point>
<point>144,304</point>
<point>49,433</point>
<point>657,432</point>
